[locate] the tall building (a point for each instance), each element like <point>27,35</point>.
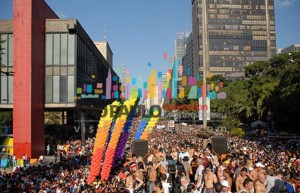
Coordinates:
<point>187,60</point>
<point>291,48</point>
<point>179,47</point>
<point>231,34</point>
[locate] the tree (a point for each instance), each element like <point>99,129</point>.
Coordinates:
<point>53,118</point>
<point>5,118</point>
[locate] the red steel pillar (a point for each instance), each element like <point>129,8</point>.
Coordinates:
<point>29,77</point>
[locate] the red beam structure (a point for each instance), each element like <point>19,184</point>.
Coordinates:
<point>29,78</point>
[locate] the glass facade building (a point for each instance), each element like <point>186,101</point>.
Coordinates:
<point>74,67</point>
<point>231,34</point>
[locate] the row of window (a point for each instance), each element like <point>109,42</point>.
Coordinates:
<point>60,49</point>
<point>59,89</point>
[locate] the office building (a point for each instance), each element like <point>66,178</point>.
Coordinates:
<point>291,48</point>
<point>187,60</point>
<point>231,34</point>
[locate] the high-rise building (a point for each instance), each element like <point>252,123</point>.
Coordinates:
<point>187,60</point>
<point>291,48</point>
<point>179,47</point>
<point>231,34</point>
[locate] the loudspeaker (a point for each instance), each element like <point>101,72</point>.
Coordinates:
<point>219,144</point>
<point>140,147</point>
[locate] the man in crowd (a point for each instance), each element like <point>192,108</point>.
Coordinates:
<point>209,179</point>
<point>152,176</point>
<point>225,187</point>
<point>259,183</point>
<point>240,179</point>
<point>247,186</point>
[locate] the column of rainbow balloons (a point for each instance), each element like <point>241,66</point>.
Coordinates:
<point>104,127</point>
<point>126,131</point>
<point>112,145</point>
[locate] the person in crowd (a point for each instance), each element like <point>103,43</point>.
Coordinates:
<point>166,186</point>
<point>227,178</point>
<point>184,181</point>
<point>240,179</point>
<point>290,183</point>
<point>191,188</point>
<point>199,173</point>
<point>157,187</point>
<point>152,176</point>
<point>225,187</point>
<point>247,186</point>
<point>187,166</point>
<point>259,183</point>
<point>209,179</point>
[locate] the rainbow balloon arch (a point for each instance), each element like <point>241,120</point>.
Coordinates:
<point>112,135</point>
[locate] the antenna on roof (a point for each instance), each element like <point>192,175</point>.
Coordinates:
<point>104,32</point>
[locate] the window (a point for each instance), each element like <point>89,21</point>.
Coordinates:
<point>56,49</point>
<point>71,49</point>
<point>49,49</point>
<point>49,93</point>
<point>71,89</point>
<point>56,89</point>
<point>63,89</point>
<point>64,47</point>
<point>4,94</point>
<point>10,49</point>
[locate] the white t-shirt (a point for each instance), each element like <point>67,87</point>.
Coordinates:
<point>182,154</point>
<point>199,171</point>
<point>166,187</point>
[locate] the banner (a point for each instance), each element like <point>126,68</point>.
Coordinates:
<point>204,108</point>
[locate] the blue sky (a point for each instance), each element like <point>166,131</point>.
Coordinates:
<point>140,32</point>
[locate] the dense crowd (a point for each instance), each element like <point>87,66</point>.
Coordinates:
<point>177,161</point>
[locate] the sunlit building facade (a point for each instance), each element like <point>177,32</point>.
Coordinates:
<point>231,34</point>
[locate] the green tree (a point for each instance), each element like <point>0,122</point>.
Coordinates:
<point>237,132</point>
<point>5,118</point>
<point>53,118</point>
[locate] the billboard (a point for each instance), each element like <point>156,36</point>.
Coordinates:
<point>204,108</point>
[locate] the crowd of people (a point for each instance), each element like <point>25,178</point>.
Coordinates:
<point>178,160</point>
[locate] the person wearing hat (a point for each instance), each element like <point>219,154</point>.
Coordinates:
<point>225,187</point>
<point>257,169</point>
<point>227,178</point>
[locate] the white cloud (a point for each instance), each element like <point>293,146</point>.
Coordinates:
<point>62,15</point>
<point>284,3</point>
